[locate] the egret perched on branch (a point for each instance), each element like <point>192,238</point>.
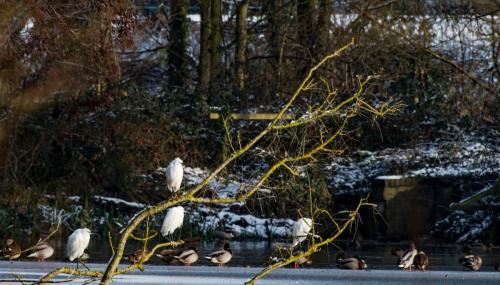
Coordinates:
<point>173,220</point>
<point>300,230</point>
<point>78,241</point>
<point>174,174</point>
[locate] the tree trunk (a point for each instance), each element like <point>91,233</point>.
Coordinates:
<point>306,23</point>
<point>216,52</point>
<point>275,25</point>
<point>177,52</point>
<point>324,27</point>
<point>241,45</point>
<point>204,68</point>
<point>305,33</point>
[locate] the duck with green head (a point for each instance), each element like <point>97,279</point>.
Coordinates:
<point>470,261</point>
<point>351,263</point>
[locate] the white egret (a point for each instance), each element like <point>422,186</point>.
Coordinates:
<point>222,256</point>
<point>42,251</point>
<point>300,230</point>
<point>78,241</point>
<point>173,220</point>
<point>174,174</point>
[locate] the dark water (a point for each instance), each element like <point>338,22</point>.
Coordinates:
<point>250,253</point>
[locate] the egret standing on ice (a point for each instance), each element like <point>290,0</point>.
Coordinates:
<point>78,241</point>
<point>174,174</point>
<point>300,230</point>
<point>173,220</point>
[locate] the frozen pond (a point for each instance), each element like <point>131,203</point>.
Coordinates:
<point>257,253</point>
<point>155,274</point>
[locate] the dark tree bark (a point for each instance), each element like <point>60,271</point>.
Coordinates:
<point>324,27</point>
<point>204,68</point>
<point>216,79</point>
<point>177,52</point>
<point>306,23</point>
<point>241,45</point>
<point>275,20</point>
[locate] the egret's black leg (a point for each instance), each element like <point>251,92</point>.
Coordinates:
<point>80,261</point>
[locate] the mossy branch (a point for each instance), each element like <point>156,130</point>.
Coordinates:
<point>190,195</point>
<point>70,271</point>
<point>98,274</point>
<point>346,110</point>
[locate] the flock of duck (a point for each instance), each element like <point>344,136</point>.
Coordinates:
<point>409,259</point>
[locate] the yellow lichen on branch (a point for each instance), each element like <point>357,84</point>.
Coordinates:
<point>344,111</point>
<point>190,195</point>
<point>97,274</point>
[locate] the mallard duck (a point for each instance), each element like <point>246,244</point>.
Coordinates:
<point>136,256</point>
<point>421,261</point>
<point>224,233</point>
<point>301,260</point>
<point>168,255</point>
<point>352,263</point>
<point>221,256</point>
<point>41,251</point>
<point>12,250</point>
<point>471,261</point>
<point>188,256</point>
<point>406,259</point>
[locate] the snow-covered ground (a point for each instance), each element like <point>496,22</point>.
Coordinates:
<point>452,158</point>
